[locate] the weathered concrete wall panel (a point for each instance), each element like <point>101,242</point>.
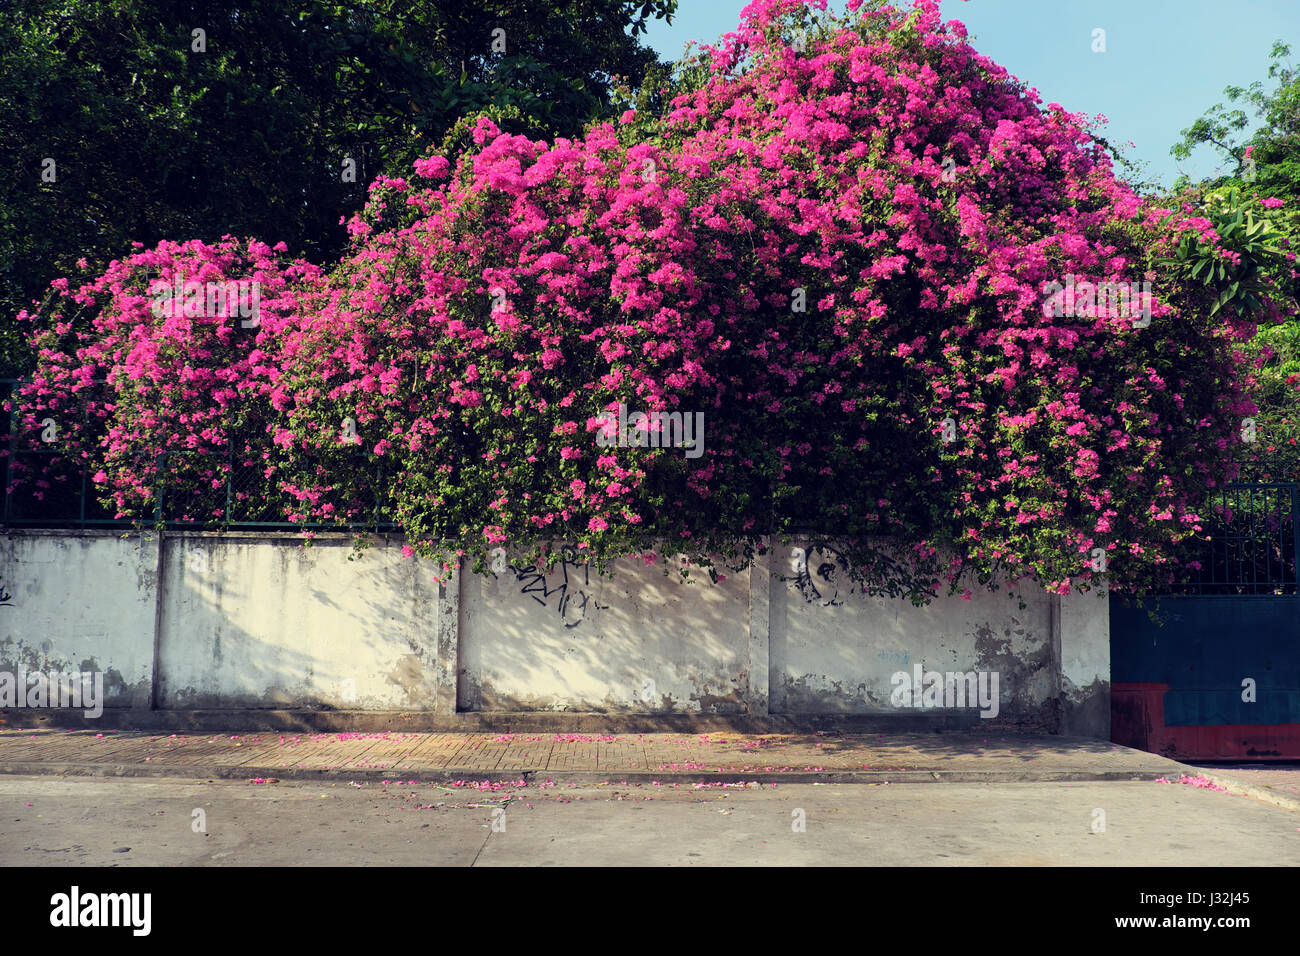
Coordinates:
<point>247,621</point>
<point>835,650</point>
<point>256,623</point>
<point>1084,630</point>
<point>640,641</point>
<point>80,602</point>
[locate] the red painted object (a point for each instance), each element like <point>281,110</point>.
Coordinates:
<point>1137,719</point>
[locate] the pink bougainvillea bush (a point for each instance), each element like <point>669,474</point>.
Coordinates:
<point>833,246</point>
<point>160,385</point>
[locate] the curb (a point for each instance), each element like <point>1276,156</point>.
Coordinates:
<point>497,722</point>
<point>1263,794</point>
<point>582,778</point>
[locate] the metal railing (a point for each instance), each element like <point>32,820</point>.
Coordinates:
<point>44,488</point>
<point>1249,545</point>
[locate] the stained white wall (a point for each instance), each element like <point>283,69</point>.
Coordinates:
<point>245,621</point>
<point>1084,652</point>
<point>572,640</point>
<point>249,622</point>
<point>835,650</point>
<point>255,621</point>
<point>80,602</point>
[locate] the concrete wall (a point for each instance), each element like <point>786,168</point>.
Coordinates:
<point>240,621</point>
<point>1083,648</point>
<point>834,649</point>
<point>247,621</point>
<point>257,623</point>
<point>639,641</point>
<point>80,603</point>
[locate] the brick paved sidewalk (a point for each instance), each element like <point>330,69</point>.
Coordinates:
<point>866,758</point>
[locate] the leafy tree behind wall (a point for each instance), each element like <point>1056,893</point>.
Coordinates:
<point>155,131</point>
<point>1257,134</point>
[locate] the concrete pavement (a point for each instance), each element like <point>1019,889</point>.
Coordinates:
<point>584,759</point>
<point>109,798</point>
<point>97,822</point>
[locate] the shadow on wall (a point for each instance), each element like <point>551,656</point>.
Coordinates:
<point>79,603</point>
<point>254,622</point>
<point>266,624</point>
<point>639,642</point>
<point>843,657</point>
<point>835,650</point>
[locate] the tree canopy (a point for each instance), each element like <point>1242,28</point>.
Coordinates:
<point>120,123</point>
<point>1257,134</point>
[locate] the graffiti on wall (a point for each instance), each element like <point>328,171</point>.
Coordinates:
<point>821,575</point>
<point>6,599</point>
<point>566,588</point>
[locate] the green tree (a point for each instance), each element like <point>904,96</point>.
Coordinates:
<point>1267,158</point>
<point>1257,133</point>
<point>119,123</point>
<point>1264,153</point>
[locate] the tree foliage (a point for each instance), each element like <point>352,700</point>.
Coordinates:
<point>156,132</point>
<point>1256,208</point>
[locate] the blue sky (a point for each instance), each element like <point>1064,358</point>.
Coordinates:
<point>1166,61</point>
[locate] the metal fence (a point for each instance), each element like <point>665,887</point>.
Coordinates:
<point>44,488</point>
<point>1252,537</point>
<point>1249,546</point>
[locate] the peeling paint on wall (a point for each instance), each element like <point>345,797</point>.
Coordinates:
<point>256,622</point>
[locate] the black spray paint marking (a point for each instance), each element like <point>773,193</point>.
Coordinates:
<point>822,574</point>
<point>573,601</point>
